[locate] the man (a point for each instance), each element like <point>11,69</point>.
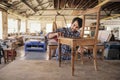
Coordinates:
<point>1,53</point>
<point>112,36</point>
<point>71,32</point>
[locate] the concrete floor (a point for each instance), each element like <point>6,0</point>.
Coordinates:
<point>49,70</point>
<point>35,66</point>
<point>22,55</point>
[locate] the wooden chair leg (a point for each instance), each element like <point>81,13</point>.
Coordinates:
<point>72,61</point>
<point>7,56</point>
<point>14,54</point>
<point>82,53</point>
<point>102,54</point>
<point>94,57</point>
<point>12,57</point>
<point>4,56</point>
<point>49,53</point>
<point>76,55</point>
<point>0,60</point>
<point>81,58</point>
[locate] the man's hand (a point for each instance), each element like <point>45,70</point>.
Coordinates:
<point>80,49</point>
<point>59,34</point>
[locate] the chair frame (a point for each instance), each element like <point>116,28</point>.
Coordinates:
<point>81,41</point>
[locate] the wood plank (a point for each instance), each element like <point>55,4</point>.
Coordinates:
<point>90,11</point>
<point>76,42</point>
<point>85,12</point>
<point>103,3</point>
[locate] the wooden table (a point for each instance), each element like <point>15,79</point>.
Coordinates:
<point>73,42</point>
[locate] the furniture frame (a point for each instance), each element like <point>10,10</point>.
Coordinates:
<point>91,48</point>
<point>82,41</point>
<point>51,47</point>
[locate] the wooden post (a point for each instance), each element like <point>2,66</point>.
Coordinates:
<point>83,27</point>
<point>19,26</point>
<point>4,24</point>
<point>27,28</point>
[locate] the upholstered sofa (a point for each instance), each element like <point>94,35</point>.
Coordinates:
<point>35,46</point>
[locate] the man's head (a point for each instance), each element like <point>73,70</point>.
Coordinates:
<point>111,31</point>
<point>76,24</point>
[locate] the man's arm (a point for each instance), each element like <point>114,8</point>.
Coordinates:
<point>52,35</point>
<point>57,33</point>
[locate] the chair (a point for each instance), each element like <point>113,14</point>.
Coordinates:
<point>51,47</point>
<point>94,28</point>
<point>82,41</point>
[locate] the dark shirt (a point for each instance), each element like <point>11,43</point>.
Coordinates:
<point>112,37</point>
<point>1,52</point>
<point>65,49</point>
<point>70,34</point>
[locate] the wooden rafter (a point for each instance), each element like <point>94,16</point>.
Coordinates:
<point>103,3</point>
<point>86,4</point>
<point>77,6</point>
<point>39,2</point>
<point>83,5</point>
<point>62,4</point>
<point>58,4</point>
<point>108,13</point>
<point>113,6</point>
<point>24,1</point>
<point>116,15</point>
<point>17,3</point>
<point>91,4</point>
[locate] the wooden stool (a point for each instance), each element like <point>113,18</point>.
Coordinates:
<point>10,54</point>
<point>51,47</point>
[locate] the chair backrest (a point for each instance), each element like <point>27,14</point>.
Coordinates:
<point>85,13</point>
<point>55,24</point>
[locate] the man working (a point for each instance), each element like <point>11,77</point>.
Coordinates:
<point>71,32</point>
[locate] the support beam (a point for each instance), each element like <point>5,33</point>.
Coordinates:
<point>99,5</point>
<point>113,16</point>
<point>38,1</point>
<point>4,25</point>
<point>3,7</point>
<point>114,0</point>
<point>103,3</point>
<point>24,1</point>
<point>17,3</point>
<point>16,15</point>
<point>106,1</point>
<point>19,26</point>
